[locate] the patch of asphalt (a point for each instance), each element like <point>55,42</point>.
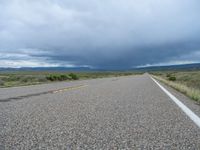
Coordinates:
<point>41,93</point>
<point>17,92</point>
<point>130,113</point>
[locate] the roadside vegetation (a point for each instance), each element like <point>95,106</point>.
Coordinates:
<point>62,77</point>
<point>187,83</point>
<point>18,78</point>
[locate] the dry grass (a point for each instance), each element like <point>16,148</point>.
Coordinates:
<point>23,78</point>
<point>188,91</point>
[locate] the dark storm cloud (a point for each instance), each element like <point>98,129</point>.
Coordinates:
<point>101,33</point>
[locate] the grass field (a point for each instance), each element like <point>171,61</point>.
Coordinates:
<point>187,82</point>
<point>18,78</point>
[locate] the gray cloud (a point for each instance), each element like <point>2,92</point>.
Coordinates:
<point>101,33</point>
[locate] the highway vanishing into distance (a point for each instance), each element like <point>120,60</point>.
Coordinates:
<point>130,112</point>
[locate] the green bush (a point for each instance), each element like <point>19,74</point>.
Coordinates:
<point>172,78</point>
<point>64,77</point>
<point>73,76</point>
<point>51,77</point>
<point>55,77</point>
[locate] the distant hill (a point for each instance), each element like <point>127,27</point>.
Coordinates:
<point>185,67</point>
<point>143,69</point>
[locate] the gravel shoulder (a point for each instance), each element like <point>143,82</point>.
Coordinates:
<point>193,105</point>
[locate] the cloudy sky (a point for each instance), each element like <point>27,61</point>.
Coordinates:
<point>99,33</point>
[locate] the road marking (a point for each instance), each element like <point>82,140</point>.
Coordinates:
<point>69,88</point>
<point>42,93</point>
<point>184,108</point>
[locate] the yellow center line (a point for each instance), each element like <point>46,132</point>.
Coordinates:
<point>69,88</point>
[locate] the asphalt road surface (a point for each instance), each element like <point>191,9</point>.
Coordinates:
<point>112,113</point>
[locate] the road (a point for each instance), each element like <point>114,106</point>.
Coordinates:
<point>112,113</point>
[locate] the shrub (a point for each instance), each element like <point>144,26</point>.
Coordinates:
<point>55,77</point>
<point>51,77</point>
<point>73,76</point>
<point>64,77</point>
<point>172,78</point>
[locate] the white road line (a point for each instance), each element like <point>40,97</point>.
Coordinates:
<point>185,109</point>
